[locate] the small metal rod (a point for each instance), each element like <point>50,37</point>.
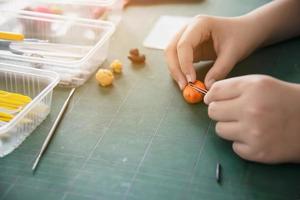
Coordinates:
<point>52,131</point>
<point>200,90</point>
<point>218,173</point>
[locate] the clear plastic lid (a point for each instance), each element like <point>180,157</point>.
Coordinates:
<point>108,10</point>
<point>78,2</point>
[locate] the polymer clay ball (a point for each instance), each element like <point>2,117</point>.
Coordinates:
<point>135,57</point>
<point>116,66</point>
<point>99,13</point>
<point>191,95</point>
<point>42,9</point>
<point>104,77</point>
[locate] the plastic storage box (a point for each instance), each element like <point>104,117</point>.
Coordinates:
<point>72,47</point>
<point>110,10</point>
<point>34,83</point>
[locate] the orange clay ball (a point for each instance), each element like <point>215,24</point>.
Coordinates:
<point>191,95</point>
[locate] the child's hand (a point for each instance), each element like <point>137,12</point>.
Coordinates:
<point>225,40</point>
<point>260,114</point>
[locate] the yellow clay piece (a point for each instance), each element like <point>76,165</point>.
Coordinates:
<point>15,96</point>
<point>8,106</point>
<point>10,102</point>
<point>4,117</point>
<point>11,36</point>
<point>13,100</point>
<point>105,77</point>
<point>116,66</point>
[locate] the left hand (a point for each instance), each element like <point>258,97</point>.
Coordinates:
<point>260,114</point>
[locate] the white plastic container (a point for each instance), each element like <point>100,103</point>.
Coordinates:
<point>80,45</point>
<point>34,83</point>
<point>110,10</point>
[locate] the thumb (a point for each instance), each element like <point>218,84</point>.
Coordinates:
<point>220,69</point>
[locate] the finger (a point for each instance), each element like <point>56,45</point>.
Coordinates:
<point>175,70</point>
<point>221,68</point>
<point>225,90</point>
<point>172,60</point>
<point>194,35</point>
<point>229,131</point>
<point>186,58</point>
<point>242,150</point>
<point>224,111</point>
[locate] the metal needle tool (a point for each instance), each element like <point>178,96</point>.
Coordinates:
<point>200,90</point>
<point>52,131</point>
<point>218,173</point>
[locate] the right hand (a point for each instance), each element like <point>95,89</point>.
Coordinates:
<point>260,115</point>
<point>225,40</point>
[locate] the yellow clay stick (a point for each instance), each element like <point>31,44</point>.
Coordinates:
<point>11,36</point>
<point>8,106</point>
<point>5,117</point>
<point>12,102</point>
<point>15,96</point>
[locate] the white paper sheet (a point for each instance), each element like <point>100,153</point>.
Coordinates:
<point>164,30</point>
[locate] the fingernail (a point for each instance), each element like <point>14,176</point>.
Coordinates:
<point>181,85</point>
<point>189,78</point>
<point>205,100</point>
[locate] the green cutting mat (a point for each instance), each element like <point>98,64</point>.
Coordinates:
<point>139,139</point>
